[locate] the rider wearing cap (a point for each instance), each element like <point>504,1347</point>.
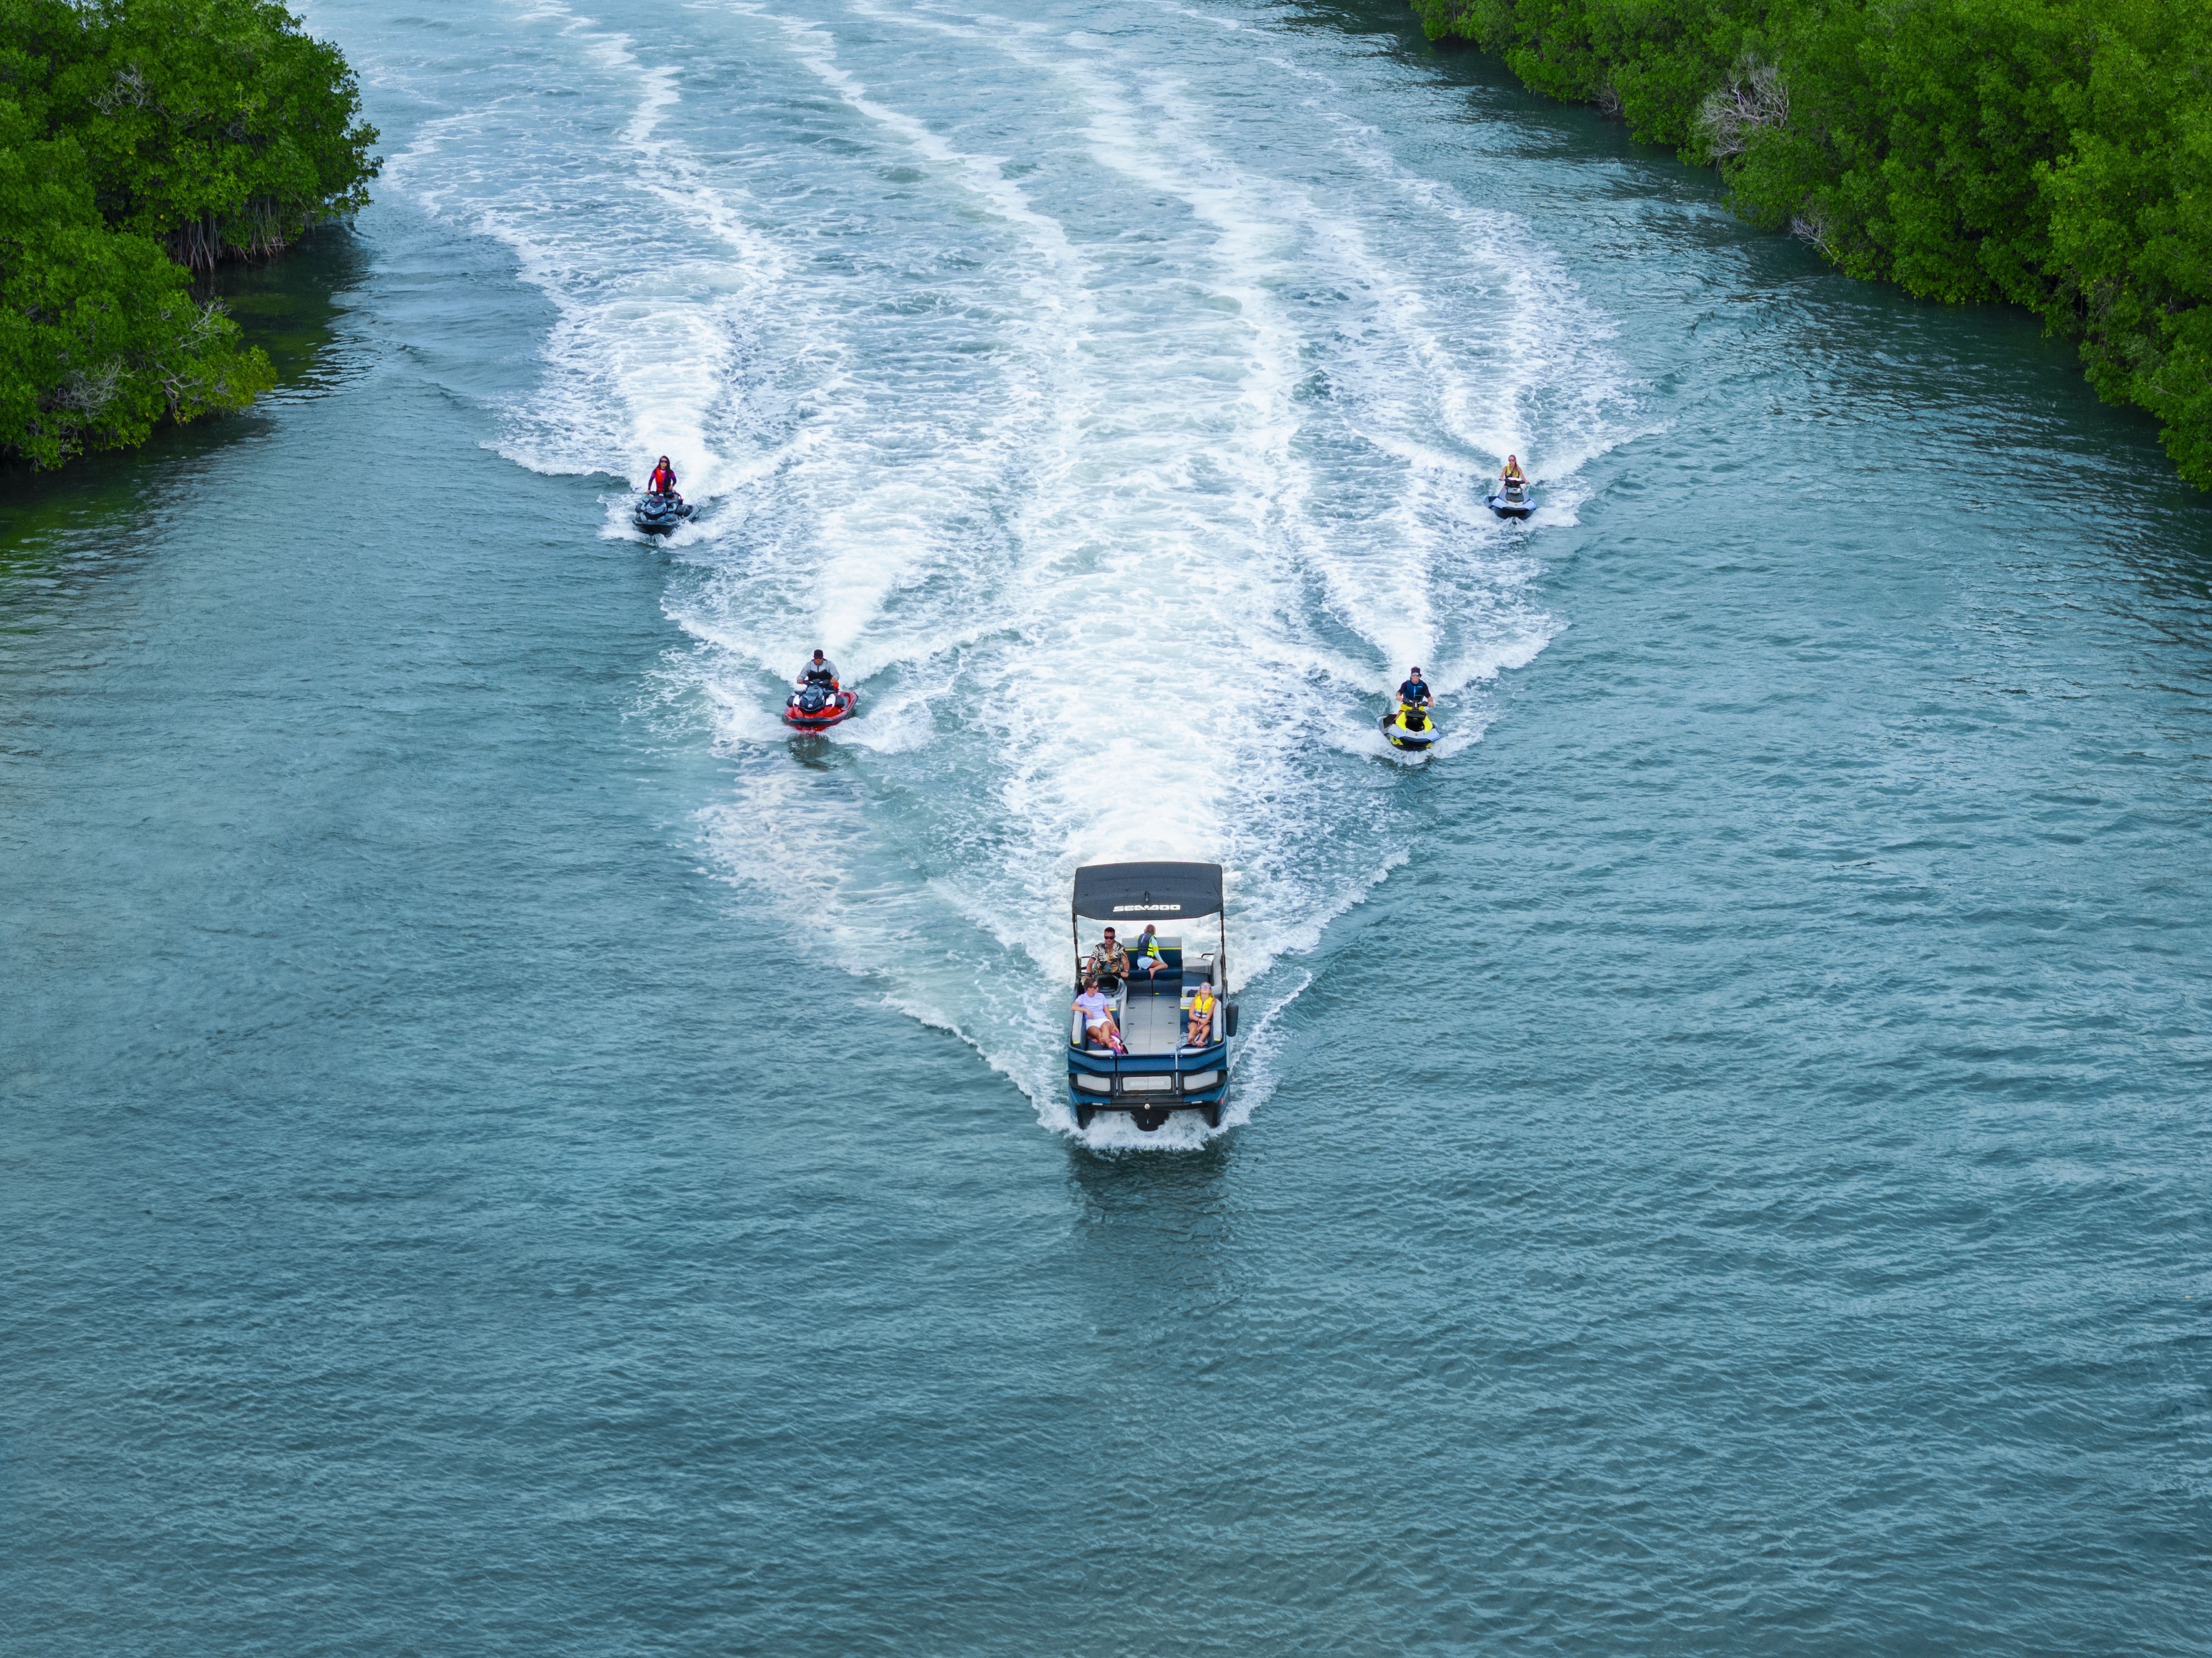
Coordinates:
<point>1415,693</point>
<point>820,671</point>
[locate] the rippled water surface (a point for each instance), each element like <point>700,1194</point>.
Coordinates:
<point>505,1153</point>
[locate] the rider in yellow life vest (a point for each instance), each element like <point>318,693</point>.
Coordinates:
<point>1513,474</point>
<point>1146,952</point>
<point>1201,1017</point>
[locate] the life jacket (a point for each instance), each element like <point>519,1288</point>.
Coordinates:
<point>1201,1003</point>
<point>664,481</point>
<point>1151,945</point>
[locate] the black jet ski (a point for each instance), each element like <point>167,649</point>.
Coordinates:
<point>817,707</point>
<point>1409,727</point>
<point>657,515</point>
<point>1514,500</point>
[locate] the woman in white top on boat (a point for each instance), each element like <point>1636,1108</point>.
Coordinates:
<point>1098,1017</point>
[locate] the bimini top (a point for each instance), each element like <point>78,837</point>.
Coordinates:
<point>1161,892</point>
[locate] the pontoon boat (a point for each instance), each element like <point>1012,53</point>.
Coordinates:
<point>1160,1072</point>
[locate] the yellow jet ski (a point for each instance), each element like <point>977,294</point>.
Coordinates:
<point>1409,727</point>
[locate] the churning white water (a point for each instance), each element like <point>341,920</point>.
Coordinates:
<point>1118,426</point>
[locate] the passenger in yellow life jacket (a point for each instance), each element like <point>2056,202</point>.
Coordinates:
<point>1201,1017</point>
<point>1145,953</point>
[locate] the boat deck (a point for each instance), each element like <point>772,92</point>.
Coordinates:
<point>1152,1024</point>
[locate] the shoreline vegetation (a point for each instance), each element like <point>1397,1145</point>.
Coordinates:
<point>2054,154</point>
<point>144,143</point>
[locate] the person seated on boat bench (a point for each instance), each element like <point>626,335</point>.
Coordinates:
<point>664,479</point>
<point>1415,693</point>
<point>1110,960</point>
<point>821,671</point>
<point>1147,954</point>
<point>1200,1033</point>
<point>1513,474</point>
<point>1098,1017</point>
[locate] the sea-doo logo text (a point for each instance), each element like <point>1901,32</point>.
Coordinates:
<point>1147,909</point>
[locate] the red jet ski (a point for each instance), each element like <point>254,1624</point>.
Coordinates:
<point>816,708</point>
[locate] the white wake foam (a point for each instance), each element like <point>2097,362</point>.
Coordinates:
<point>1117,424</point>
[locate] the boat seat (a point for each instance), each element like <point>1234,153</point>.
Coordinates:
<point>1167,980</point>
<point>1182,1031</point>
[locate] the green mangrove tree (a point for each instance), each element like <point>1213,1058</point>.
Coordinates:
<point>142,141</point>
<point>2056,154</point>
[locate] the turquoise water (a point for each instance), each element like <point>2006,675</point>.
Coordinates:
<point>504,1153</point>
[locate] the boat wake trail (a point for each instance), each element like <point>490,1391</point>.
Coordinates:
<point>656,274</point>
<point>1121,438</point>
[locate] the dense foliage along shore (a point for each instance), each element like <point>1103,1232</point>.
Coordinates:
<point>2053,152</point>
<point>142,141</point>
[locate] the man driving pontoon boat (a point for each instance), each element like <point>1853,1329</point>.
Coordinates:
<point>1110,960</point>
